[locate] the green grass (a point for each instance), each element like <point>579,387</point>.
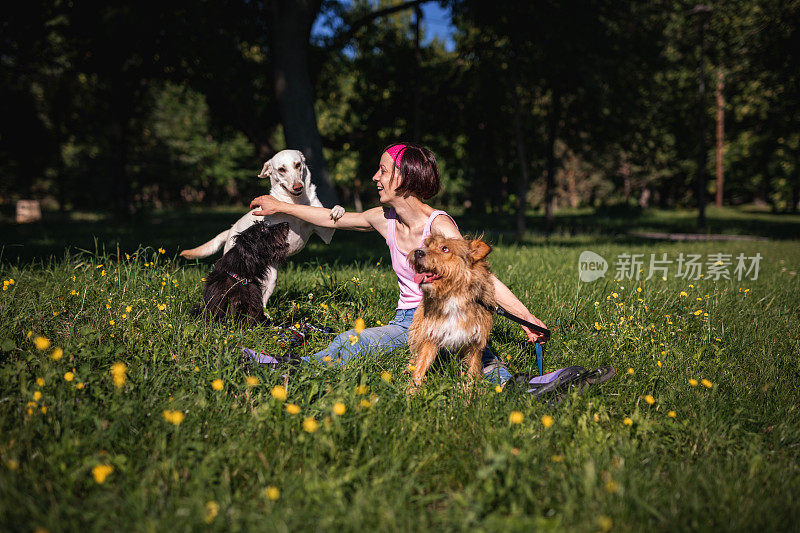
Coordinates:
<point>728,460</point>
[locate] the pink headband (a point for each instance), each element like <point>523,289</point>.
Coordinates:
<point>396,153</point>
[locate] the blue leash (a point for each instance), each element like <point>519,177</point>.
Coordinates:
<point>538,347</point>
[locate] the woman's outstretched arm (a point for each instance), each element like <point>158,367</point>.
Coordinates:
<point>319,216</point>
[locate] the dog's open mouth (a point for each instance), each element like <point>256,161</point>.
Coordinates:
<point>425,277</point>
<point>292,192</point>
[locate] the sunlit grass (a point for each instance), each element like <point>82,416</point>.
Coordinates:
<point>136,415</point>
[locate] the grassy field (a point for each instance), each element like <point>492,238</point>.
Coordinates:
<point>699,430</point>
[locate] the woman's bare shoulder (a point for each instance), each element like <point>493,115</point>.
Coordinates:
<point>378,217</point>
<point>444,226</point>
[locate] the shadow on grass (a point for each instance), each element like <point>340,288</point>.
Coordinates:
<point>179,229</point>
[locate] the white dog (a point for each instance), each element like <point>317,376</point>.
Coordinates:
<point>290,181</point>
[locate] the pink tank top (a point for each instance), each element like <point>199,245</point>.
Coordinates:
<point>410,293</point>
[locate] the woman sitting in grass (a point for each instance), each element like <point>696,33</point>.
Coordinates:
<point>406,177</point>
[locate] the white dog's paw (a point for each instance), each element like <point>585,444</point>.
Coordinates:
<point>337,212</point>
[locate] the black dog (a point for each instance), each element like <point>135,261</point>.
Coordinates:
<point>234,287</point>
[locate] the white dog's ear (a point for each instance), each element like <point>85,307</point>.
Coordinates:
<point>302,157</point>
<point>266,170</point>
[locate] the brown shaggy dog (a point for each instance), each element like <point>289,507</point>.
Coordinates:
<point>457,303</point>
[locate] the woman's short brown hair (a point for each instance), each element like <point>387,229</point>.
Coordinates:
<point>419,173</point>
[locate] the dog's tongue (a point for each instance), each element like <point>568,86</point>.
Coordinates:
<point>419,278</point>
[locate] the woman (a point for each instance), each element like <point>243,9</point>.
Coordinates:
<point>407,176</point>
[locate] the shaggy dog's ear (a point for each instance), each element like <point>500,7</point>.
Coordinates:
<point>302,157</point>
<point>267,170</point>
<point>479,250</point>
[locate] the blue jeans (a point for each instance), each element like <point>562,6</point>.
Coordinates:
<point>384,339</point>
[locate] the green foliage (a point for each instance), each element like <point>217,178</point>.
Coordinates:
<point>193,162</point>
<point>97,115</point>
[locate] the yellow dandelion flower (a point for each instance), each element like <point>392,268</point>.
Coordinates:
<point>547,421</point>
<point>128,309</point>
<point>630,370</point>
<point>251,381</point>
<point>101,472</point>
<point>361,389</point>
<point>37,395</point>
<point>649,399</point>
<point>217,384</point>
<point>212,510</point>
<point>111,322</point>
<point>386,376</point>
<point>161,250</point>
<point>44,409</point>
<point>69,376</point>
<point>698,312</point>
<point>292,408</point>
<point>683,293</point>
<point>672,414</point>
<point>339,409</point>
<point>693,382</point>
<point>627,421</point>
<point>12,465</point>
<point>79,386</point>
<point>272,493</point>
<point>611,486</point>
<point>597,326</point>
<point>161,307</point>
<point>359,325</point>
<point>279,392</point>
<point>353,339</point>
<point>365,404</point>
<point>327,358</point>
<point>614,295</point>
<point>707,384</point>
<point>498,389</point>
<point>310,424</point>
<point>173,417</point>
<point>516,417</point>
<point>658,363</point>
<point>557,458</point>
<point>73,292</point>
<point>118,373</point>
<point>596,417</point>
<point>41,343</point>
<point>411,368</point>
<point>40,382</point>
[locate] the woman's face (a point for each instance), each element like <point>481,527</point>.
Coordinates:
<point>383,179</point>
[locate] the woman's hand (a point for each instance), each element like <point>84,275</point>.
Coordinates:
<point>267,204</point>
<point>534,336</point>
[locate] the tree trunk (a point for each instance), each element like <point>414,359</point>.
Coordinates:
<point>417,76</point>
<point>290,27</point>
<point>720,136</point>
<point>121,105</point>
<point>700,185</point>
<point>550,183</point>
<point>524,179</point>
